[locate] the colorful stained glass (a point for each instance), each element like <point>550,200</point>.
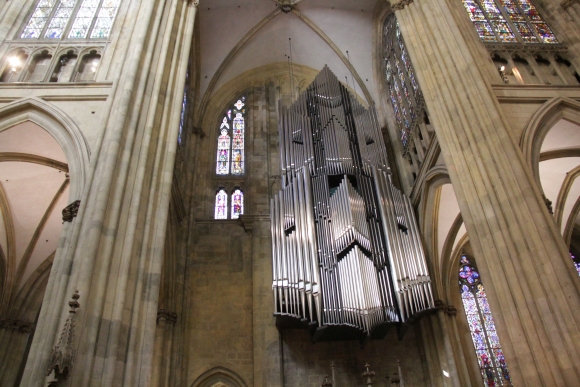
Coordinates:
<point>237,204</point>
<point>491,360</point>
<point>105,19</point>
<point>83,19</point>
<point>522,17</point>
<point>403,87</point>
<point>238,145</point>
<point>221,205</point>
<point>576,263</point>
<point>60,19</point>
<point>38,19</point>
<point>230,158</point>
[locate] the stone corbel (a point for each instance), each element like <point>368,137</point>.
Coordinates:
<point>548,204</point>
<point>399,4</point>
<point>193,3</point>
<point>15,325</point>
<point>198,132</point>
<point>70,211</point>
<point>166,315</point>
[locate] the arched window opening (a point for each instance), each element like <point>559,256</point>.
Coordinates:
<point>508,21</point>
<point>230,144</point>
<point>221,204</point>
<point>13,66</point>
<point>183,107</point>
<point>38,67</point>
<point>88,67</point>
<point>490,356</point>
<point>74,19</point>
<point>568,71</point>
<point>64,68</point>
<point>404,92</point>
<point>237,203</point>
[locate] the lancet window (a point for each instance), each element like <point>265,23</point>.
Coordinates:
<point>404,92</point>
<point>71,19</point>
<point>230,143</point>
<point>221,204</point>
<point>490,356</point>
<point>508,21</point>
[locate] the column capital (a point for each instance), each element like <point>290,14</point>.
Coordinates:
<point>193,3</point>
<point>399,4</point>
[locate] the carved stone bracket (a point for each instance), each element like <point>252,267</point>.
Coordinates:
<point>166,315</point>
<point>12,324</point>
<point>198,132</point>
<point>548,204</point>
<point>399,4</point>
<point>193,3</point>
<point>70,211</point>
<point>61,359</point>
<point>450,310</point>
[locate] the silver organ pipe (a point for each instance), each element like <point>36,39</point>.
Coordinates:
<point>346,249</point>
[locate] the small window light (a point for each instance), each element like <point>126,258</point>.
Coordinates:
<point>95,65</point>
<point>502,68</point>
<point>445,373</point>
<point>14,63</point>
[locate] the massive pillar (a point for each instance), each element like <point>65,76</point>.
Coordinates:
<point>532,288</point>
<point>112,253</point>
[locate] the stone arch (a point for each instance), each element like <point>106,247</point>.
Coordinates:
<point>428,215</point>
<point>219,377</point>
<point>61,127</point>
<point>541,123</point>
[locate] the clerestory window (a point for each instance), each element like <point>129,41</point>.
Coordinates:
<point>508,21</point>
<point>485,339</point>
<point>230,144</point>
<point>405,94</point>
<point>71,19</point>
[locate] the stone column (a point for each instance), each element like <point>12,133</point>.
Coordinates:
<point>114,255</point>
<point>533,289</point>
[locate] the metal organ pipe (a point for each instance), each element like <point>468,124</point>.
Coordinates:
<point>351,256</point>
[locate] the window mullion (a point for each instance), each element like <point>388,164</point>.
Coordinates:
<point>94,21</point>
<point>509,21</point>
<point>489,21</point>
<point>72,19</point>
<point>48,20</point>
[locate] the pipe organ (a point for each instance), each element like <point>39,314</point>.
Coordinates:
<point>345,244</point>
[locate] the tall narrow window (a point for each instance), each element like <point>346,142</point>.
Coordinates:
<point>183,106</point>
<point>508,21</point>
<point>404,91</point>
<point>237,203</point>
<point>221,205</point>
<point>82,19</point>
<point>230,145</point>
<point>490,356</point>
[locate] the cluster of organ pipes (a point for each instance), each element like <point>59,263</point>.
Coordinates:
<point>345,244</point>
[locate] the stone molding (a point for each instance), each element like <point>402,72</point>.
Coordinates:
<point>16,325</point>
<point>399,4</point>
<point>70,212</point>
<point>61,359</point>
<point>166,315</point>
<point>248,221</point>
<point>448,309</point>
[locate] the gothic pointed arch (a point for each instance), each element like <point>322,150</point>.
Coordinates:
<point>61,127</point>
<point>219,376</point>
<point>541,123</point>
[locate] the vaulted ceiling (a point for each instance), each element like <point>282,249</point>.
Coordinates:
<point>236,36</point>
<point>33,191</point>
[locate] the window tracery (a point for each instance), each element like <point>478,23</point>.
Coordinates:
<point>222,198</point>
<point>230,145</point>
<point>484,335</point>
<point>72,19</point>
<point>508,21</point>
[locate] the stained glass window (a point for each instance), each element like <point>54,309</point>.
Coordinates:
<point>508,21</point>
<point>183,106</point>
<point>85,18</point>
<point>405,94</point>
<point>221,205</point>
<point>576,262</point>
<point>230,146</point>
<point>490,356</point>
<point>237,203</point>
